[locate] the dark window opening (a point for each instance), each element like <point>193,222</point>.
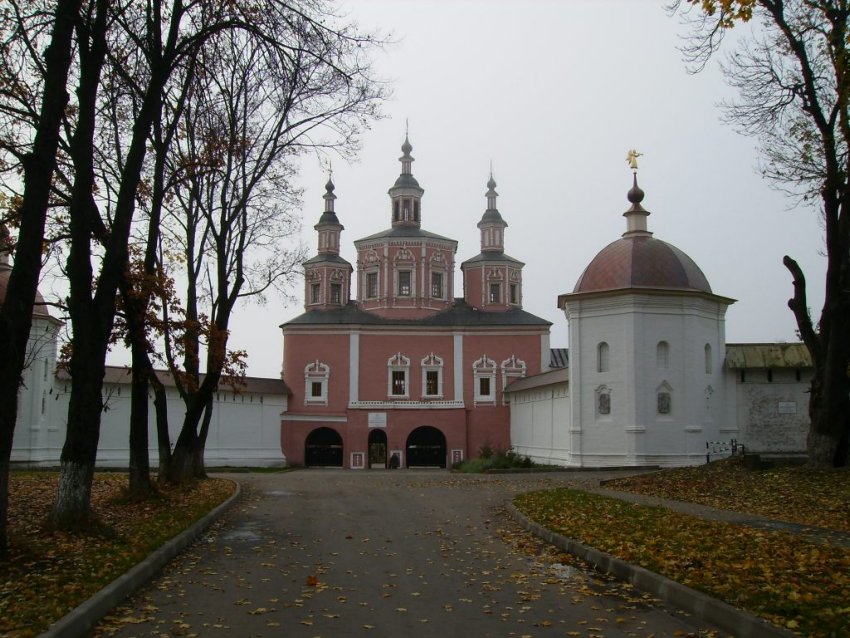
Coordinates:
<point>437,285</point>
<point>514,295</point>
<point>316,389</point>
<point>769,375</point>
<point>404,283</point>
<point>432,382</point>
<point>315,290</point>
<point>336,293</point>
<point>484,386</point>
<point>372,285</point>
<point>399,383</point>
<point>495,293</point>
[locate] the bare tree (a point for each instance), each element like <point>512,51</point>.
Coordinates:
<point>254,109</point>
<point>793,80</point>
<point>33,98</point>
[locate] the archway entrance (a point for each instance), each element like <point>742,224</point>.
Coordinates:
<point>377,448</point>
<point>426,447</point>
<point>323,448</point>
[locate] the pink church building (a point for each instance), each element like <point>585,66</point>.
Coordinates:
<point>405,374</point>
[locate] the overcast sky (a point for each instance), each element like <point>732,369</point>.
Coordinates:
<point>554,94</point>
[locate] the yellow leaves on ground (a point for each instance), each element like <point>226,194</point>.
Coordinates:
<point>48,573</point>
<point>794,581</point>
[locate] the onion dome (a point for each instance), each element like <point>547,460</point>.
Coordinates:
<point>328,215</point>
<point>638,260</point>
<point>39,308</point>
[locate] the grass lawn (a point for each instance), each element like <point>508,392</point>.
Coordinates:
<point>48,573</point>
<point>794,582</point>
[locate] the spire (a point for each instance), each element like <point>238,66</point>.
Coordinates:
<point>406,159</point>
<point>491,190</point>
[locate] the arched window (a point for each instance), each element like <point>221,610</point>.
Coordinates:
<point>664,398</point>
<point>603,401</point>
<point>602,357</point>
<point>662,355</point>
<point>708,362</point>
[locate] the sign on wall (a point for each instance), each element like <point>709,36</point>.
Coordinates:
<point>377,419</point>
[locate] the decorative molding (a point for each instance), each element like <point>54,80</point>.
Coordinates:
<point>405,405</point>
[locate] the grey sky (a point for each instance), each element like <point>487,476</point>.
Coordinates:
<point>555,93</point>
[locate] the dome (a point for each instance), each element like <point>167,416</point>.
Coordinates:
<point>641,261</point>
<point>39,308</point>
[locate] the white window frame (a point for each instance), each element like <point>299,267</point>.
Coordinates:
<point>512,368</point>
<point>484,368</point>
<point>432,363</point>
<point>316,372</point>
<point>398,363</point>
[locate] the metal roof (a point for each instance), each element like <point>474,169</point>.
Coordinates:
<point>767,355</point>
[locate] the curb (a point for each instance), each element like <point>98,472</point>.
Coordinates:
<point>82,618</point>
<point>739,623</point>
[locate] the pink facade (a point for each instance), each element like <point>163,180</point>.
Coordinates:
<point>406,374</point>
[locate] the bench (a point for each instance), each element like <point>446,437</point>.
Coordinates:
<point>725,448</point>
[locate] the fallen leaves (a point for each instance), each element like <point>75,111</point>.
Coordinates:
<point>48,573</point>
<point>790,580</point>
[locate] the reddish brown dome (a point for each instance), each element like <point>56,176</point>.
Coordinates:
<point>39,309</point>
<point>641,262</point>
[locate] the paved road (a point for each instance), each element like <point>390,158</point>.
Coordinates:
<point>405,553</point>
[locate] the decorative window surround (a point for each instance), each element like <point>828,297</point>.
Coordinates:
<point>603,402</point>
<point>432,388</point>
<point>484,373</point>
<point>398,377</point>
<point>512,368</point>
<point>316,373</point>
<point>405,405</point>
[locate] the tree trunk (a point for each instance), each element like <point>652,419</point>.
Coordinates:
<point>198,462</point>
<point>163,439</point>
<point>140,470</point>
<point>38,167</point>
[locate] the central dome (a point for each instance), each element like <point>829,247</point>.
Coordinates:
<point>641,262</point>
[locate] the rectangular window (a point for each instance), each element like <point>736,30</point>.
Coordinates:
<point>404,283</point>
<point>314,293</point>
<point>336,293</point>
<point>372,285</point>
<point>484,386</point>
<point>399,383</point>
<point>495,293</point>
<point>316,389</point>
<point>514,295</point>
<point>432,383</point>
<point>437,285</point>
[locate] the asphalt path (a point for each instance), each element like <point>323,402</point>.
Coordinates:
<point>408,553</point>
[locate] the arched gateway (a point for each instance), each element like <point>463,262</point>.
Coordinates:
<point>323,448</point>
<point>426,447</point>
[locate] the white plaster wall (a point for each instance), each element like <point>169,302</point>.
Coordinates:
<point>244,431</point>
<point>540,424</point>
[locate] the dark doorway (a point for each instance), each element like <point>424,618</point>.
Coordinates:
<point>426,447</point>
<point>377,449</point>
<point>323,448</point>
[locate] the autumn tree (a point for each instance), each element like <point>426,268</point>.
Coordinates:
<point>255,108</point>
<point>792,74</point>
<point>36,56</point>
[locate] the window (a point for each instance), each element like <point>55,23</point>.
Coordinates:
<point>437,285</point>
<point>484,372</point>
<point>315,290</point>
<point>603,401</point>
<point>372,285</point>
<point>484,386</point>
<point>404,283</point>
<point>602,357</point>
<point>432,376</point>
<point>399,383</point>
<point>495,293</point>
<point>398,371</point>
<point>663,403</point>
<point>316,376</point>
<point>514,292</point>
<point>662,355</point>
<point>432,383</point>
<point>512,369</point>
<point>708,361</point>
<point>336,293</point>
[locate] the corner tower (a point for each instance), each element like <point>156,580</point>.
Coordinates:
<point>492,280</point>
<point>327,276</point>
<point>647,344</point>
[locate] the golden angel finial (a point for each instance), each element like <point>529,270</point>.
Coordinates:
<point>631,158</point>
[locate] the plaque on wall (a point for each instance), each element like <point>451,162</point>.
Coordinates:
<point>377,419</point>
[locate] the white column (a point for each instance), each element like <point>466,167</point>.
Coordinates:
<point>458,366</point>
